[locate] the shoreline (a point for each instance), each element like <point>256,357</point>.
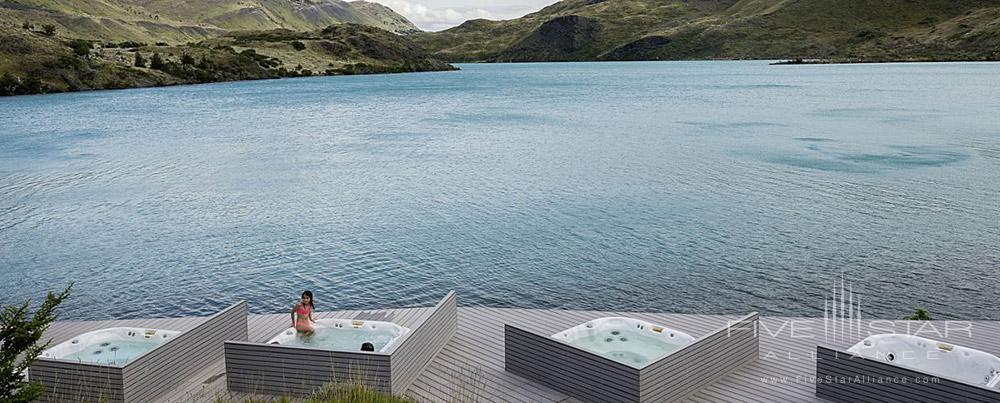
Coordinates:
<point>180,84</point>
<point>771,62</point>
<point>794,62</point>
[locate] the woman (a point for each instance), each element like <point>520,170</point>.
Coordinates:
<point>302,319</point>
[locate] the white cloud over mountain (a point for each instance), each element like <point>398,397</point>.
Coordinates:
<point>435,15</point>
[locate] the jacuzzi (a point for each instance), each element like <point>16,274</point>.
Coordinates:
<point>343,335</point>
<point>629,341</point>
<point>933,357</point>
<point>115,346</point>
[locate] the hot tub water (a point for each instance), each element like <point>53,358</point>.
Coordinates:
<point>629,341</point>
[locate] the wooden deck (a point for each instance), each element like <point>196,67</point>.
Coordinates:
<point>471,367</point>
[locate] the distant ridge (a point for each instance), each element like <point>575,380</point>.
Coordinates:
<point>75,45</point>
<point>36,60</point>
<point>831,30</point>
<point>178,21</point>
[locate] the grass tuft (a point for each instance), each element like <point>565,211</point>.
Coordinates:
<point>329,393</point>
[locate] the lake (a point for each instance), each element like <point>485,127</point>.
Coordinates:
<point>689,187</point>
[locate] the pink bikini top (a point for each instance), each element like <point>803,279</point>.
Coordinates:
<point>303,312</point>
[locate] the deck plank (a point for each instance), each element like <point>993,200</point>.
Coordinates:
<point>471,368</point>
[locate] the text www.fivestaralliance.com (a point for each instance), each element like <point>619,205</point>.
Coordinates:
<point>778,380</point>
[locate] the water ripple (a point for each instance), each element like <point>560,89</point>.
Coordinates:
<point>679,187</point>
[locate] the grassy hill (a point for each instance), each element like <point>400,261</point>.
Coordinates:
<point>179,21</point>
<point>839,30</point>
<point>35,61</point>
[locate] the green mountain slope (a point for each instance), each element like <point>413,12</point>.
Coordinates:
<point>854,30</point>
<point>33,61</point>
<point>177,21</point>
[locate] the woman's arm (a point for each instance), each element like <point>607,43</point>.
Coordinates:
<point>294,308</point>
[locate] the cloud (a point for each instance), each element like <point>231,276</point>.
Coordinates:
<point>436,15</point>
<point>437,18</point>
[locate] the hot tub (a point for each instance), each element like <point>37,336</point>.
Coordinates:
<point>933,357</point>
<point>629,341</point>
<point>115,346</point>
<point>344,335</point>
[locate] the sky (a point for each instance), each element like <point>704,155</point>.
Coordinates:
<point>435,15</point>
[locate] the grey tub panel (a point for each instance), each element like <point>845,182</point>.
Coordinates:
<point>164,368</point>
<point>593,378</point>
<point>71,381</point>
<point>422,344</point>
<point>573,371</point>
<point>151,374</point>
<point>845,377</point>
<point>282,370</point>
<point>702,362</point>
<point>277,370</point>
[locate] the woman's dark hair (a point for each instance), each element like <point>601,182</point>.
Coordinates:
<point>312,301</point>
<point>367,347</point>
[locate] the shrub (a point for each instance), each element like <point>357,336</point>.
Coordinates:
<point>330,29</point>
<point>920,314</point>
<point>49,29</point>
<point>63,62</point>
<point>869,34</point>
<point>157,62</point>
<point>139,60</point>
<point>27,25</point>
<point>298,45</point>
<point>80,47</point>
<point>20,335</point>
<point>124,44</point>
<point>9,84</point>
<point>15,85</point>
<point>187,59</point>
<point>162,44</point>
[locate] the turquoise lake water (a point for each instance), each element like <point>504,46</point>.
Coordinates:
<point>709,187</point>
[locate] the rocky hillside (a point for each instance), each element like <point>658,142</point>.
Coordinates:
<point>38,60</point>
<point>836,30</point>
<point>178,21</point>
